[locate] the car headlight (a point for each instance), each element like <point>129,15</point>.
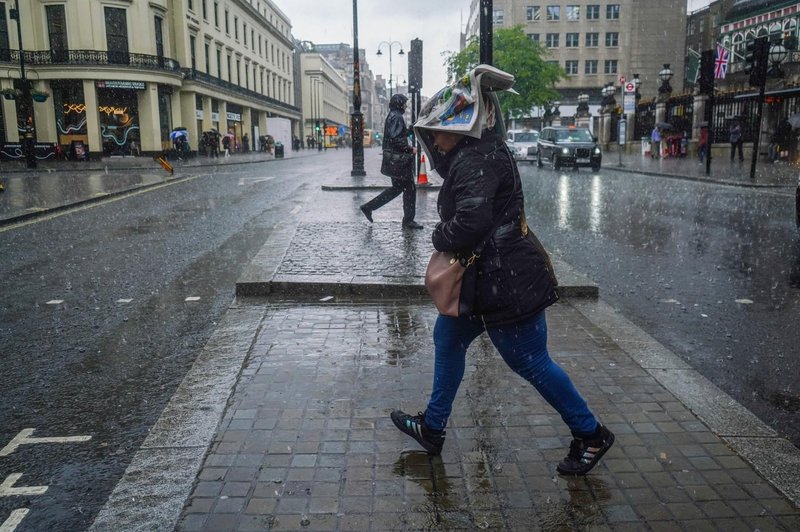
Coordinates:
<point>597,151</point>
<point>564,151</point>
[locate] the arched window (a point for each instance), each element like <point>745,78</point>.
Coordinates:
<point>790,27</point>
<point>738,42</point>
<point>775,28</point>
<point>762,31</point>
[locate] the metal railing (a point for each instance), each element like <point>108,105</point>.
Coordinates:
<point>90,57</point>
<point>202,77</point>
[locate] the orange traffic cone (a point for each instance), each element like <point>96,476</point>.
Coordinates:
<point>422,178</point>
<point>162,160</point>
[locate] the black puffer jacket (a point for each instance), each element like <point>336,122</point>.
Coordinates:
<point>513,282</point>
<point>395,132</point>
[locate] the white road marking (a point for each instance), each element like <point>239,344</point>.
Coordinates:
<point>744,301</point>
<point>326,298</point>
<point>192,298</point>
<point>13,521</point>
<point>7,488</point>
<point>25,438</point>
<point>54,302</point>
<point>124,300</point>
<point>253,180</point>
<point>297,209</point>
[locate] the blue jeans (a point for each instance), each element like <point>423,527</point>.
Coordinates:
<point>523,346</point>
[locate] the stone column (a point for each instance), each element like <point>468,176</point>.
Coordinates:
<point>188,117</point>
<point>661,111</point>
<point>92,119</point>
<point>149,119</point>
<point>208,123</point>
<point>247,126</point>
<point>44,115</point>
<point>605,129</point>
<point>698,115</point>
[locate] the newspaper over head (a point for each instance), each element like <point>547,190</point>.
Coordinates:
<point>461,108</point>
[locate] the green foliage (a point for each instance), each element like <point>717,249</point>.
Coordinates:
<point>516,53</point>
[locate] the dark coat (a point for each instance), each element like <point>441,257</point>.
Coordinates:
<point>512,280</point>
<point>395,133</point>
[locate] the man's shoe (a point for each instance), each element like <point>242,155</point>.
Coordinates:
<point>414,426</point>
<point>367,212</point>
<point>412,225</point>
<point>585,453</point>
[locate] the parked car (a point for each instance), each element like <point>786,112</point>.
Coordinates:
<point>569,146</point>
<point>523,143</point>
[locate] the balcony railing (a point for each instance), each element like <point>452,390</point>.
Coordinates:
<point>196,75</point>
<point>90,57</point>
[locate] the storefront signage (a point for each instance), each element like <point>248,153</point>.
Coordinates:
<point>198,114</point>
<point>121,84</point>
<point>215,117</point>
<point>234,117</point>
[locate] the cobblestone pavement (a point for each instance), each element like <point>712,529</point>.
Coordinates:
<point>306,442</point>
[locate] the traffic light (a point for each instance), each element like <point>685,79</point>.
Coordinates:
<point>316,125</point>
<point>706,80</point>
<point>415,66</point>
<point>756,61</point>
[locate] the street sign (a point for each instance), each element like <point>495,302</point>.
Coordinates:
<point>629,102</point>
<point>630,87</point>
<point>623,132</point>
<point>622,80</point>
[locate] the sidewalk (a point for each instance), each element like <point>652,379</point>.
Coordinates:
<point>282,423</point>
<point>58,185</point>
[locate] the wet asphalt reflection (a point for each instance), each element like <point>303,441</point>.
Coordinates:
<point>711,271</point>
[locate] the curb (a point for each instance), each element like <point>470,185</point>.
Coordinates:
<point>697,179</point>
<point>374,187</point>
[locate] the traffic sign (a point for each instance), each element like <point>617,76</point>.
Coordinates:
<point>622,80</point>
<point>630,87</point>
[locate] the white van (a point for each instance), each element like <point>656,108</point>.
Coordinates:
<point>523,143</point>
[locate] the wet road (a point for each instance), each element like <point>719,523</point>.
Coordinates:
<point>711,271</point>
<point>97,331</point>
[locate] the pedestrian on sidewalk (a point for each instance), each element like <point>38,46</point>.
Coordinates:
<point>736,139</point>
<point>655,143</point>
<point>702,143</point>
<point>481,200</point>
<point>398,163</point>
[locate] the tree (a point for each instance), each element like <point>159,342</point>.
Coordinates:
<point>516,53</point>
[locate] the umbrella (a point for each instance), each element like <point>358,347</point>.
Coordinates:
<point>179,133</point>
<point>230,135</point>
<point>178,128</point>
<point>794,120</point>
<point>663,125</point>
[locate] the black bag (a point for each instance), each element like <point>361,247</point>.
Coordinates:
<point>397,164</point>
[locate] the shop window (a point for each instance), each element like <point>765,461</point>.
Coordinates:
<point>119,120</point>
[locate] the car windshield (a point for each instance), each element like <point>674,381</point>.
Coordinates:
<point>530,136</point>
<point>573,135</point>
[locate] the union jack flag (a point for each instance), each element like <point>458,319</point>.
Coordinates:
<point>721,62</point>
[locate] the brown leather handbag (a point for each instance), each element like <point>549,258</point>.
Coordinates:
<point>443,280</point>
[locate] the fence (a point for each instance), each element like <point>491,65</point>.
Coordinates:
<point>680,111</point>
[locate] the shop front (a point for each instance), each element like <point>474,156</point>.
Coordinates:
<point>70,117</point>
<point>234,125</point>
<point>119,116</point>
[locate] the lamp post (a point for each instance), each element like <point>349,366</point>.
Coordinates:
<point>357,119</point>
<point>29,141</point>
<point>665,74</point>
<point>777,53</point>
<point>637,96</point>
<point>379,53</point>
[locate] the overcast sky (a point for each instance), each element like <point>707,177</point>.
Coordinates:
<point>436,22</point>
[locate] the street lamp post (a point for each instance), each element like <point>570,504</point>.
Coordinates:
<point>636,98</point>
<point>401,52</point>
<point>357,119</point>
<point>665,74</point>
<point>320,133</point>
<point>29,141</point>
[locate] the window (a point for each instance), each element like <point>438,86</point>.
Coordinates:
<point>246,76</point>
<point>552,40</point>
<point>253,40</point>
<point>612,38</point>
<point>612,11</point>
<point>207,53</point>
<point>219,63</point>
<point>227,23</point>
<point>573,12</point>
<point>57,32</point>
<point>205,9</point>
<point>193,51</point>
<point>572,40</point>
<point>191,5</point>
<point>611,66</point>
<point>592,39</point>
<point>497,16</point>
<point>553,12</point>
<point>158,25</point>
<point>117,35</point>
<point>534,37</point>
<point>236,28</point>
<point>230,71</point>
<point>5,53</point>
<point>571,67</point>
<point>238,72</point>
<point>533,13</point>
<point>216,14</point>
<point>244,33</point>
<point>590,66</point>
<point>259,46</point>
<point>593,12</point>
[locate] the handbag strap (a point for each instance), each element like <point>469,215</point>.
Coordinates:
<point>476,252</point>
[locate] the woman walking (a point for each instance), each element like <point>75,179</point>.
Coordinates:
<point>481,201</point>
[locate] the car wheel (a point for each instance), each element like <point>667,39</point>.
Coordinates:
<point>556,163</point>
<point>539,160</point>
<point>595,168</point>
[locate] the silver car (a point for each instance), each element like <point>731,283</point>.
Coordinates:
<point>523,143</point>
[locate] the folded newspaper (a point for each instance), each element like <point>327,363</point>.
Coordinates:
<point>459,107</point>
